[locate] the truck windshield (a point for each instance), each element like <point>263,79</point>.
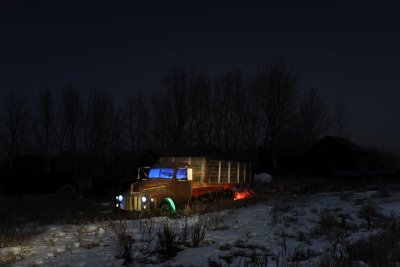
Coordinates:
<point>161,173</point>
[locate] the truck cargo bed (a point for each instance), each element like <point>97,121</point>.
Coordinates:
<point>212,171</point>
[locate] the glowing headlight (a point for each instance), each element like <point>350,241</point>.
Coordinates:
<point>120,197</point>
<point>144,199</point>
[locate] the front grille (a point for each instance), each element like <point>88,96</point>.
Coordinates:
<point>134,203</point>
<point>138,204</point>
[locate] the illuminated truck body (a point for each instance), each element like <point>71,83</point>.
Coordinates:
<point>177,180</point>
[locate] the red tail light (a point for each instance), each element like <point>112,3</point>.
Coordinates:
<point>246,193</point>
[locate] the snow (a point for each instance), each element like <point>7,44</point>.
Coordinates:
<point>264,178</point>
<point>276,228</point>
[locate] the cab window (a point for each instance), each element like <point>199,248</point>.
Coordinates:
<point>181,174</point>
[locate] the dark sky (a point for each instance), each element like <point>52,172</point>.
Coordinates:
<point>343,48</point>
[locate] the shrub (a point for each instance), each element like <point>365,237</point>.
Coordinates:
<point>224,246</point>
<point>123,239</point>
<point>184,234</point>
<point>378,250</point>
<point>370,211</point>
<point>166,245</point>
<point>326,222</point>
<point>147,233</point>
<point>301,236</point>
<point>216,221</point>
<point>214,263</point>
<point>301,254</point>
<point>257,260</point>
<point>381,249</point>
<point>329,226</point>
<point>197,207</point>
<point>198,231</point>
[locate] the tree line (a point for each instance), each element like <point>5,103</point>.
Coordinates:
<point>190,108</point>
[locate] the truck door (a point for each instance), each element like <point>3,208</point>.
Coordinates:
<point>183,185</point>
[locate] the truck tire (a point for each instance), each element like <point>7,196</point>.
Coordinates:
<point>165,207</point>
<point>168,206</point>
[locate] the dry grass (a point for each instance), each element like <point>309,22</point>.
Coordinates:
<point>8,258</point>
<point>17,236</point>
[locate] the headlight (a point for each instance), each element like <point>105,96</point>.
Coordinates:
<point>120,198</point>
<point>144,199</point>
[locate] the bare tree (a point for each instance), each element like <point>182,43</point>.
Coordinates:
<point>136,119</point>
<point>116,138</point>
<point>15,119</point>
<point>171,106</point>
<point>312,118</point>
<point>200,110</point>
<point>340,116</point>
<point>252,126</point>
<point>46,117</point>
<point>69,119</point>
<point>276,88</point>
<point>101,121</point>
<point>229,104</point>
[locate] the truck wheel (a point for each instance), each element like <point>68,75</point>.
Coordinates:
<point>165,207</point>
<point>168,206</point>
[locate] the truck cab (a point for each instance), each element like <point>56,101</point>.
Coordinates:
<point>160,186</point>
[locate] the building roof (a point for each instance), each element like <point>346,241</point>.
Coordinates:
<point>345,143</point>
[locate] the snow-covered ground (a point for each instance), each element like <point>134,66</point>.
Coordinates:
<point>283,229</point>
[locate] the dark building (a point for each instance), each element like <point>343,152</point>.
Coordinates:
<point>335,156</point>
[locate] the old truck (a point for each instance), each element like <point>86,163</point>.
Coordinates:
<point>174,181</point>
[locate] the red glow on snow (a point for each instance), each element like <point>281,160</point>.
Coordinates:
<point>243,194</point>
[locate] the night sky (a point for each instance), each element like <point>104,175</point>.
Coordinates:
<point>344,48</point>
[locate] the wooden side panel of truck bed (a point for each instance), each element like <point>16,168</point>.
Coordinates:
<point>211,171</point>
<point>222,171</point>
